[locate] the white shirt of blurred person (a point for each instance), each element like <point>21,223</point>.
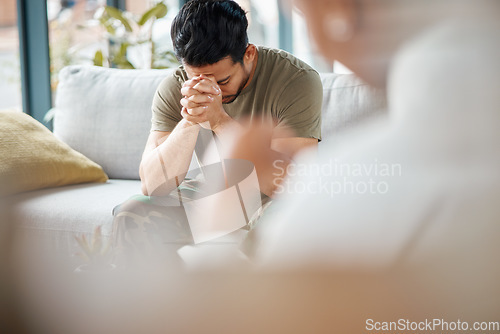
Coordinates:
<point>419,189</point>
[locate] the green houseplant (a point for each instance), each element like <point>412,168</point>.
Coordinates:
<point>124,31</point>
<point>118,32</point>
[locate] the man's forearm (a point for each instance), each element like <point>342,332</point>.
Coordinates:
<point>165,164</point>
<point>269,178</point>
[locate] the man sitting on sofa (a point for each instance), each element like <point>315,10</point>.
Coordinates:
<point>222,78</point>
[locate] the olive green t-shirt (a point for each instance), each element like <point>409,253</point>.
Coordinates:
<point>283,87</point>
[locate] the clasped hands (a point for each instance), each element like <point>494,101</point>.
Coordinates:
<point>251,141</point>
<point>202,103</point>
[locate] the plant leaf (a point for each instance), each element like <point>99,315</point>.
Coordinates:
<point>158,11</point>
<point>125,64</point>
<point>106,250</point>
<point>49,116</point>
<point>170,55</point>
<point>84,257</point>
<point>165,59</point>
<point>118,14</point>
<point>82,241</point>
<point>123,50</point>
<point>98,58</point>
<point>96,241</point>
<point>105,23</point>
<point>99,13</point>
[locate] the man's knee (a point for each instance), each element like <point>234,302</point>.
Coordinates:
<point>143,220</point>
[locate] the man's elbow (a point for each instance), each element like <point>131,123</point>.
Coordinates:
<point>160,189</point>
<point>156,183</point>
<point>144,189</point>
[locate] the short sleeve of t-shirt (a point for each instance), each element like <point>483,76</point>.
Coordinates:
<point>300,104</point>
<point>166,106</point>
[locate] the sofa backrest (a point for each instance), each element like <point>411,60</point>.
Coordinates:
<point>347,102</point>
<point>106,113</point>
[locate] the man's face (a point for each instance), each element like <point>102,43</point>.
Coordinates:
<point>231,77</point>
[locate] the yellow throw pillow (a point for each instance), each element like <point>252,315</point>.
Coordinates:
<point>31,157</point>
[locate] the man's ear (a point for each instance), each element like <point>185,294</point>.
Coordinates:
<point>340,20</point>
<point>250,53</point>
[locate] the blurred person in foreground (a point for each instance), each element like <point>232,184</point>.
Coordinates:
<point>421,188</point>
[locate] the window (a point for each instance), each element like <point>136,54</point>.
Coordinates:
<point>10,70</point>
<point>271,24</point>
<point>304,47</point>
<point>73,34</point>
<point>263,21</point>
<point>78,35</point>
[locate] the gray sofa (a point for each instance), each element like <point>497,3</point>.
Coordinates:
<point>105,114</point>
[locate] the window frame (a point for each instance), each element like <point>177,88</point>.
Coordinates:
<point>34,58</point>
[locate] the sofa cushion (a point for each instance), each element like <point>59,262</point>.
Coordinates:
<point>347,102</point>
<point>32,158</point>
<point>106,115</point>
<point>54,216</point>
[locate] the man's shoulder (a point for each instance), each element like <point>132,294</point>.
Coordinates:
<point>283,68</point>
<point>280,59</point>
<point>173,80</point>
<point>180,75</point>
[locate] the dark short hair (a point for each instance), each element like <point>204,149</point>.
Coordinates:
<point>207,31</point>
